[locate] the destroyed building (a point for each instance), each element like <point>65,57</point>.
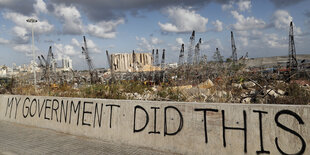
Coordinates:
<point>132,62</point>
<point>66,64</point>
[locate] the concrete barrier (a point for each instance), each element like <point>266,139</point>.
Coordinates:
<point>187,128</point>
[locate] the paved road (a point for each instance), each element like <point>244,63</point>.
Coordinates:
<point>20,139</point>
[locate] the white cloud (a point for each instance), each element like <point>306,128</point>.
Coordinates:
<point>297,30</point>
<point>21,34</point>
<point>25,48</point>
<point>258,39</point>
<point>228,6</point>
<point>183,20</point>
<point>281,19</point>
<point>274,41</point>
<point>144,44</point>
<point>41,27</point>
<point>104,29</point>
<point>147,45</point>
<point>4,41</point>
<point>218,25</point>
<point>205,46</point>
<point>40,6</point>
<point>5,2</point>
<point>75,42</point>
<point>176,47</point>
<point>70,18</point>
<point>248,38</point>
<point>244,41</point>
<point>244,5</point>
<point>65,49</point>
<point>61,51</point>
<point>247,23</point>
<point>156,41</point>
<point>179,41</point>
<point>93,48</point>
<point>138,49</point>
<point>211,44</point>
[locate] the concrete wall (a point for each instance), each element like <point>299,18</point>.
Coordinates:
<point>187,128</point>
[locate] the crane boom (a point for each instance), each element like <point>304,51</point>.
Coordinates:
<point>233,47</point>
<point>293,64</point>
<point>162,64</point>
<point>93,73</point>
<point>190,48</point>
<point>86,53</point>
<point>40,62</point>
<point>181,56</point>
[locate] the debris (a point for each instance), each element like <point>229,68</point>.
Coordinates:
<point>249,84</point>
<point>246,100</point>
<point>236,85</point>
<point>281,92</point>
<point>206,85</point>
<point>272,93</point>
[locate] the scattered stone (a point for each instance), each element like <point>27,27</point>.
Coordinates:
<point>237,85</point>
<point>154,89</point>
<point>183,87</point>
<point>300,82</point>
<point>281,92</point>
<point>249,84</point>
<point>221,94</point>
<point>75,86</point>
<point>252,92</point>
<point>206,85</point>
<point>243,95</point>
<point>246,100</point>
<point>272,93</point>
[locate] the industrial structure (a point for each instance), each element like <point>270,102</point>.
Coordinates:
<point>197,52</point>
<point>67,64</point>
<point>148,66</point>
<point>130,62</point>
<point>292,61</point>
<point>190,48</point>
<point>157,58</point>
<point>109,59</point>
<point>162,64</point>
<point>233,47</point>
<point>92,71</point>
<point>181,56</point>
<point>48,66</point>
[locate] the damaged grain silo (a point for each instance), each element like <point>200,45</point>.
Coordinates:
<point>132,62</point>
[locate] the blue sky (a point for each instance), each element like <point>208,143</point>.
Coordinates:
<point>260,27</point>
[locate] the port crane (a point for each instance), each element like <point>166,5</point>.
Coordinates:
<point>92,71</point>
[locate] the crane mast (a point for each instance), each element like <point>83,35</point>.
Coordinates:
<point>181,56</point>
<point>93,73</point>
<point>233,47</point>
<point>190,48</point>
<point>162,64</point>
<point>157,58</point>
<point>197,52</point>
<point>292,60</point>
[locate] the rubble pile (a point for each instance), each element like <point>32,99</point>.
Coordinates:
<point>212,82</point>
